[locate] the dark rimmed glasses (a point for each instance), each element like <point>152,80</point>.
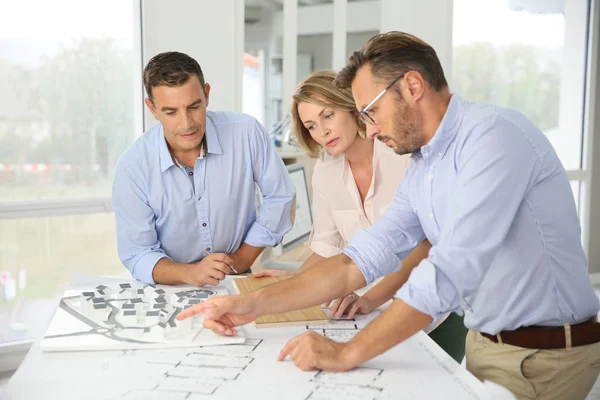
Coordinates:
<point>364,113</point>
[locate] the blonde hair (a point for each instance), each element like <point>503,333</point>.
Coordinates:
<point>318,88</point>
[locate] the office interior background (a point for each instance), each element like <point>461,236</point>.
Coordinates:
<point>72,101</point>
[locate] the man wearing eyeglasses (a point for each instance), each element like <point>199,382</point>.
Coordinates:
<point>489,192</point>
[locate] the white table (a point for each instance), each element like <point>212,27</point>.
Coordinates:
<point>415,369</point>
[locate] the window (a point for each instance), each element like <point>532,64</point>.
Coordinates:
<point>67,85</point>
<point>530,56</point>
<point>68,111</point>
<point>38,257</point>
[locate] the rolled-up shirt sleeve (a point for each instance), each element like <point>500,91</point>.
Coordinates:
<point>137,241</point>
<point>278,192</point>
<point>380,249</point>
<point>496,167</point>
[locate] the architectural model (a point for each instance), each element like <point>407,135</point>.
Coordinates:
<point>129,315</point>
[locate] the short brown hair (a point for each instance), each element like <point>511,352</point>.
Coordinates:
<point>390,55</point>
<point>170,69</point>
<point>318,88</point>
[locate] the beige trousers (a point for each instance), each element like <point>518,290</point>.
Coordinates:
<point>534,374</point>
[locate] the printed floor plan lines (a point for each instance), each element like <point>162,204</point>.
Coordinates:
<point>213,367</point>
<point>360,376</point>
<point>357,384</point>
<point>344,393</point>
<point>199,371</point>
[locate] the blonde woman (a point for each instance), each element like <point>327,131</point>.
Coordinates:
<point>354,181</point>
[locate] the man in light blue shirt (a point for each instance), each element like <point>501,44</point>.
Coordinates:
<point>184,194</point>
<point>489,192</point>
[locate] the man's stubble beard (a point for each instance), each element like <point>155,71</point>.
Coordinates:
<point>406,129</point>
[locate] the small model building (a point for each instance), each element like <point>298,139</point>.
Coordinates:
<point>152,310</point>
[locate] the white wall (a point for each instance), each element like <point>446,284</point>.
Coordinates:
<point>289,51</point>
<point>259,35</point>
<point>365,18</point>
<point>216,42</point>
<point>321,46</point>
<point>362,16</point>
<point>253,93</point>
<point>430,20</point>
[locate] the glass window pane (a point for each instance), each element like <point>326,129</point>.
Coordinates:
<point>529,56</point>
<point>66,110</point>
<point>253,93</point>
<point>37,259</point>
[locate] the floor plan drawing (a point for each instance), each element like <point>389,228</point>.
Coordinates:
<point>208,370</point>
<point>248,367</point>
<point>343,329</point>
<point>359,383</point>
<point>198,372</point>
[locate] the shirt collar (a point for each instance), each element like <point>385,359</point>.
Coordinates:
<point>345,168</point>
<point>213,145</point>
<point>446,132</point>
<point>202,155</point>
<point>210,144</point>
<point>377,146</point>
<point>166,160</point>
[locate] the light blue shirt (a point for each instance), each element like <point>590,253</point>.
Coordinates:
<point>492,197</point>
<point>159,213</point>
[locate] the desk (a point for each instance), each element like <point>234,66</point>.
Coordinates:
<point>415,369</point>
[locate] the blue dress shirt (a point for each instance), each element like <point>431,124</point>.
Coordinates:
<point>160,213</point>
<point>494,200</point>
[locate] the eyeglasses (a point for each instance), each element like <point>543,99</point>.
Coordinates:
<point>364,113</point>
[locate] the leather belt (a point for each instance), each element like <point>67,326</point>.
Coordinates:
<point>550,337</point>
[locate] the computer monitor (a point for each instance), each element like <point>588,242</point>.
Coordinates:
<point>302,227</point>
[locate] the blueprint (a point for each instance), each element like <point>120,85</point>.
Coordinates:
<point>248,370</point>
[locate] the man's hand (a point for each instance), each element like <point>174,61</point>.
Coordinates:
<point>210,270</point>
<point>244,257</point>
<point>311,351</point>
<point>352,304</point>
<point>223,313</point>
<point>271,272</point>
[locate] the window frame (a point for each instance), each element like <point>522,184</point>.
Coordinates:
<point>587,123</point>
<point>13,353</point>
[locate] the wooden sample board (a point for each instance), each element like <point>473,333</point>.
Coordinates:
<point>307,316</point>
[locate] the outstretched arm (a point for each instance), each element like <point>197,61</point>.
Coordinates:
<point>330,279</point>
